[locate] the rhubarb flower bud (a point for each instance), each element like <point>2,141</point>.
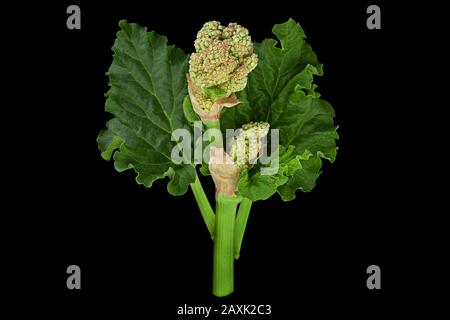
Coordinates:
<point>247,145</point>
<point>223,59</point>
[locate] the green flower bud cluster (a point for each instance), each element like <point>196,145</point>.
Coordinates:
<point>247,145</point>
<point>213,65</point>
<point>223,59</point>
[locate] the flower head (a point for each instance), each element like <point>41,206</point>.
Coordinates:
<point>247,145</point>
<point>223,59</point>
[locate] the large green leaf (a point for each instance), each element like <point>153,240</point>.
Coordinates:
<point>281,91</point>
<point>147,88</point>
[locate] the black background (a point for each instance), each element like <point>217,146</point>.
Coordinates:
<point>142,251</point>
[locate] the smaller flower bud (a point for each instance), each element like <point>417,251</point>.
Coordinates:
<point>247,145</point>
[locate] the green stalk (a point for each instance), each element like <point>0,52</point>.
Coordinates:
<point>223,272</point>
<point>212,124</point>
<point>215,136</point>
<point>241,224</point>
<point>204,206</point>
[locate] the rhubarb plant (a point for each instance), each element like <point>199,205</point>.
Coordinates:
<point>266,127</point>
